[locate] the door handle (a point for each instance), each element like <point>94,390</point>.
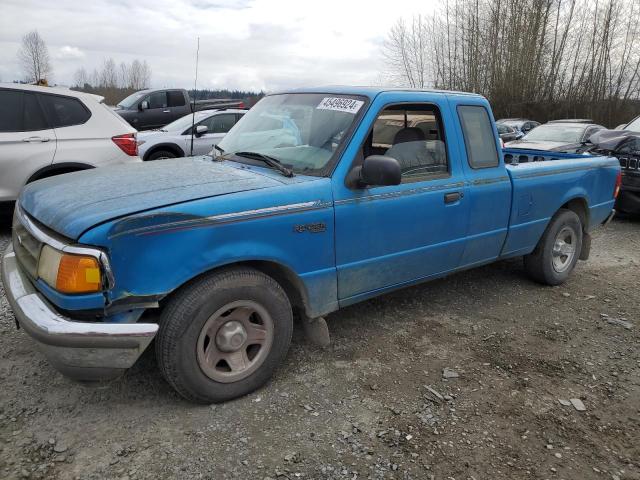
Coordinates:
<point>36,139</point>
<point>453,197</point>
<point>166,111</point>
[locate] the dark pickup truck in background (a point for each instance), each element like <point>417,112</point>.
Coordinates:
<point>155,108</point>
<point>625,146</point>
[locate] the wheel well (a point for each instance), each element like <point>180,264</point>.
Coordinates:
<point>53,170</point>
<point>166,147</point>
<point>286,278</point>
<point>579,207</point>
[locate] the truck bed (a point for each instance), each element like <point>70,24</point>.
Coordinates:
<point>516,156</point>
<point>585,180</point>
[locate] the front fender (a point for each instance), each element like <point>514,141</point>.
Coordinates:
<point>154,253</point>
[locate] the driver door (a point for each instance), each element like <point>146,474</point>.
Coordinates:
<point>158,114</point>
<point>390,236</point>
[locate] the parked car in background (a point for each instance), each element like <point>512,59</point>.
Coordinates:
<point>507,133</point>
<point>557,136</point>
<point>572,120</point>
<point>174,140</point>
<point>625,146</point>
<point>520,124</point>
<point>632,126</point>
<point>155,108</point>
<point>212,258</point>
<point>50,131</point>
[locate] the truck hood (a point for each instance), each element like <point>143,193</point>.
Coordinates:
<point>71,204</point>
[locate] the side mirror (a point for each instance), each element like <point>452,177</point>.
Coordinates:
<point>144,105</point>
<point>201,130</point>
<point>379,170</point>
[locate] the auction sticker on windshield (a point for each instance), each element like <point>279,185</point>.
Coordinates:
<point>348,105</point>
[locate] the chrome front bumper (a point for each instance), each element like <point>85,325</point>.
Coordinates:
<point>84,351</point>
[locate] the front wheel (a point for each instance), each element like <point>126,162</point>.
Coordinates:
<point>223,335</point>
<point>557,252</point>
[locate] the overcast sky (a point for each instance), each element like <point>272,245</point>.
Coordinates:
<point>244,44</point>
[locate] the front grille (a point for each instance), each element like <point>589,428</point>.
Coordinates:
<point>629,163</point>
<point>26,247</point>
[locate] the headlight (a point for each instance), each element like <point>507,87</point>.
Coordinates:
<point>69,273</point>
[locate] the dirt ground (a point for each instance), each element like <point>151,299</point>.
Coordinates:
<point>375,404</point>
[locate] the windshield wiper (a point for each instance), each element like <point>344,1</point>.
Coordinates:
<point>272,162</point>
<point>220,149</point>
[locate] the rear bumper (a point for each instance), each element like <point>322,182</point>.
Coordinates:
<point>85,351</point>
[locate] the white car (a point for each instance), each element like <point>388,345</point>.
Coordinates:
<point>50,131</point>
<point>174,139</point>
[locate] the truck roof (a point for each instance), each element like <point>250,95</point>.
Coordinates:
<point>151,90</point>
<point>371,91</point>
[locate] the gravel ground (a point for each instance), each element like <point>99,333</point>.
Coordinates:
<point>375,404</point>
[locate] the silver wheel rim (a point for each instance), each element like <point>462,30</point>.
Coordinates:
<point>564,249</point>
<point>235,341</point>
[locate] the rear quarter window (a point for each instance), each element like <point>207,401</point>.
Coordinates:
<point>478,134</point>
<point>64,111</point>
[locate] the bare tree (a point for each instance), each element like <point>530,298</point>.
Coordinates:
<point>529,57</point>
<point>112,81</point>
<point>405,51</point>
<point>139,75</point>
<point>34,58</point>
<point>134,76</point>
<point>124,75</point>
<point>108,74</point>
<point>81,78</point>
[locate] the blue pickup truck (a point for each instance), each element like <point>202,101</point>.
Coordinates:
<point>315,200</point>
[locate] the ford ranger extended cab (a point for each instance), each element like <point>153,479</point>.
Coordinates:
<point>316,199</point>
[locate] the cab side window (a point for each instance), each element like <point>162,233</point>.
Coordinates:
<point>158,100</point>
<point>478,135</point>
<point>176,99</point>
<point>413,135</point>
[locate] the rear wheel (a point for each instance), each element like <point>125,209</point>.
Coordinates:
<point>224,335</point>
<point>161,155</point>
<point>558,250</point>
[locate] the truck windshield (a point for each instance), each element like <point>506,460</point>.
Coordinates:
<point>303,131</point>
<point>131,100</point>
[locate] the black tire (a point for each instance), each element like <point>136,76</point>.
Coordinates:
<point>161,154</point>
<point>193,306</point>
<point>540,264</point>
